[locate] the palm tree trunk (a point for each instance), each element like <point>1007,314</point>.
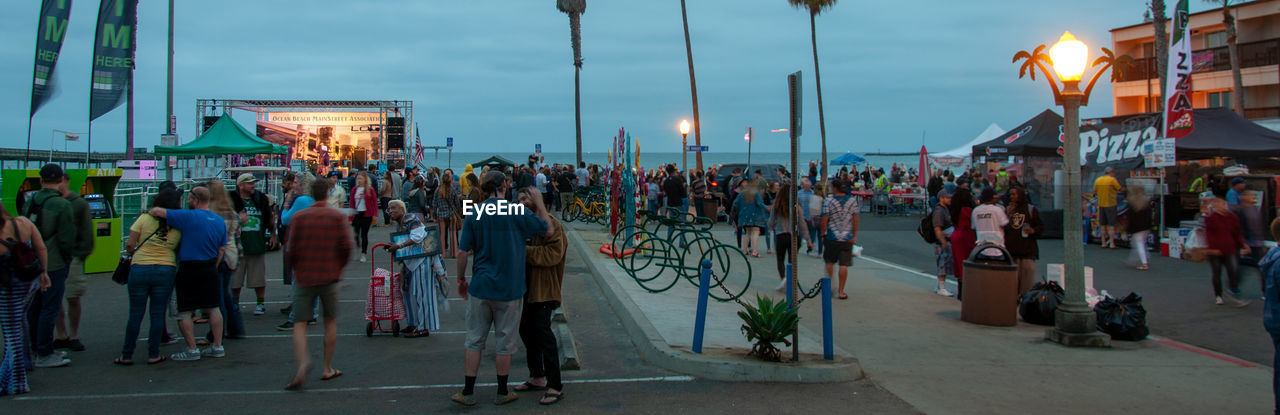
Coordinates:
<point>822,122</point>
<point>575,33</point>
<point>1162,46</point>
<point>693,85</point>
<point>1237,80</point>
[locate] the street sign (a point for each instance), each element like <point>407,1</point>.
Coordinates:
<point>448,142</point>
<point>697,148</point>
<point>537,148</point>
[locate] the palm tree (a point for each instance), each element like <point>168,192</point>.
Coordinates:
<point>816,7</point>
<point>1162,46</point>
<point>575,8</point>
<point>1237,81</point>
<point>693,85</point>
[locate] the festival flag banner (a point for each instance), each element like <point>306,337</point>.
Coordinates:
<point>113,47</point>
<point>1178,121</point>
<point>50,31</point>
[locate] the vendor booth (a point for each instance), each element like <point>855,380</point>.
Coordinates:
<point>493,161</point>
<point>1032,151</point>
<point>225,136</point>
<point>96,186</point>
<point>961,156</point>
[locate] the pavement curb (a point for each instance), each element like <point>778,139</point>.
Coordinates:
<point>654,349</point>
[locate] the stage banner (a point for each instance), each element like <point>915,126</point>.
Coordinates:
<point>113,47</point>
<point>1117,141</point>
<point>1177,109</point>
<point>50,31</point>
<point>327,118</point>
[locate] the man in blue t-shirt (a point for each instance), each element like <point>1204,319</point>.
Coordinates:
<point>495,232</point>
<point>204,236</point>
<point>840,224</point>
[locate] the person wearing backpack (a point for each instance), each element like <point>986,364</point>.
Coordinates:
<point>54,218</point>
<point>941,229</point>
<point>17,234</point>
<point>67,329</point>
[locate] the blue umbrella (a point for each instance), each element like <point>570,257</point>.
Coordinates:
<point>847,159</point>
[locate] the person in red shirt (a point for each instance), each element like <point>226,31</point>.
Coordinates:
<point>319,247</point>
<point>1225,245</point>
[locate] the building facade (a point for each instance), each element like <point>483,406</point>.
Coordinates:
<point>1258,29</point>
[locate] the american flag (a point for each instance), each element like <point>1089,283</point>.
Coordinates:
<point>417,147</point>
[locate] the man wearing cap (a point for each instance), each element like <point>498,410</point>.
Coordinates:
<point>54,217</point>
<point>942,227</point>
<point>494,295</point>
<point>257,224</point>
<point>1237,188</point>
<point>1105,188</point>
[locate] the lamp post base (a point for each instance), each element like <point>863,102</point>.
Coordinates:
<point>1076,327</point>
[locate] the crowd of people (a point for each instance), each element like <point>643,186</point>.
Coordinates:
<point>192,252</point>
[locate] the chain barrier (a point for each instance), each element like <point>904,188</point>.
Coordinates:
<point>812,293</point>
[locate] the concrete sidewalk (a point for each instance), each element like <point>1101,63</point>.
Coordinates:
<point>663,325</point>
<point>912,342</point>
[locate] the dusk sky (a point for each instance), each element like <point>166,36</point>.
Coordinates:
<point>498,75</point>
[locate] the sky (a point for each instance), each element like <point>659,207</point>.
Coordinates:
<point>499,75</point>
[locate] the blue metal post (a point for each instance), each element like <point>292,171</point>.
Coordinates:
<point>790,289</point>
<point>700,317</point>
<point>828,343</point>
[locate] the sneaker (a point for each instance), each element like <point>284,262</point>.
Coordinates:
<point>187,356</point>
<point>510,397</point>
<point>782,286</point>
<point>213,351</point>
<point>943,292</point>
<point>285,326</point>
<point>260,310</point>
<point>287,310</point>
<point>75,345</point>
<point>464,400</point>
<point>52,360</point>
<point>1234,299</point>
<point>363,258</point>
<point>1218,300</point>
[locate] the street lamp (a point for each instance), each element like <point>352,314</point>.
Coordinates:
<point>684,148</point>
<point>1074,321</point>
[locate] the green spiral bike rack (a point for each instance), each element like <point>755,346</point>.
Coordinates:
<point>658,262</point>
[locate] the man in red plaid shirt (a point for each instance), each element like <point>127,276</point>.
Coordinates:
<point>319,247</point>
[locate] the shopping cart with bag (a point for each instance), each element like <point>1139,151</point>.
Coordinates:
<point>385,301</point>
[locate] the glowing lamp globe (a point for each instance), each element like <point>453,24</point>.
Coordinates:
<point>1070,56</point>
<point>684,127</point>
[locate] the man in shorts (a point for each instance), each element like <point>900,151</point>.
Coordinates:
<point>1106,188</point>
<point>495,293</point>
<point>319,247</point>
<point>942,227</point>
<point>840,222</point>
<point>204,237</point>
<point>68,329</point>
<point>257,235</point>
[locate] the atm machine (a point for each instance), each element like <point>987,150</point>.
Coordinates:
<point>98,187</point>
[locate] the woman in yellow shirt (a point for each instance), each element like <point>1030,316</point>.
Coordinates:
<point>151,276</point>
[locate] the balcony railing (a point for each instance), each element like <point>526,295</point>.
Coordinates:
<point>1252,54</point>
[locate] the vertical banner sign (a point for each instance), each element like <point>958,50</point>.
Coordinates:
<point>1177,108</point>
<point>112,55</point>
<point>50,31</point>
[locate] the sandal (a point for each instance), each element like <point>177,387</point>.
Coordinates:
<point>335,374</point>
<point>525,387</point>
<point>408,330</point>
<point>1143,267</point>
<point>157,360</point>
<point>843,296</point>
<point>419,333</point>
<point>554,398</point>
<point>122,362</point>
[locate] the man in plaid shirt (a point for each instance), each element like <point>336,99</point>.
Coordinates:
<point>319,247</point>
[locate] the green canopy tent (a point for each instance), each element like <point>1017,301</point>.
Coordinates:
<point>495,160</point>
<point>226,136</point>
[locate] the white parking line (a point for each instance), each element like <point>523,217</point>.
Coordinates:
<point>314,334</point>
<point>905,269</point>
<point>351,389</point>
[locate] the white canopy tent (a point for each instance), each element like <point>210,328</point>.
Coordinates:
<point>961,155</point>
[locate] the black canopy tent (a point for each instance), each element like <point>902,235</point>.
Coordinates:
<point>495,160</point>
<point>1036,137</point>
<point>1219,132</point>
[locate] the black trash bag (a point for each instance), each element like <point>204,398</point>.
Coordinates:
<point>1123,319</point>
<point>1039,303</point>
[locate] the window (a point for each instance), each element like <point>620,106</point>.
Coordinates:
<point>1220,99</point>
<point>1149,50</point>
<point>1215,39</point>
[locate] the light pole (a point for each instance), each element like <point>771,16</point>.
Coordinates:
<point>684,149</point>
<point>1074,321</point>
<point>747,137</point>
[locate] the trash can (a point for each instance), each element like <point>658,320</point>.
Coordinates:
<point>991,288</point>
